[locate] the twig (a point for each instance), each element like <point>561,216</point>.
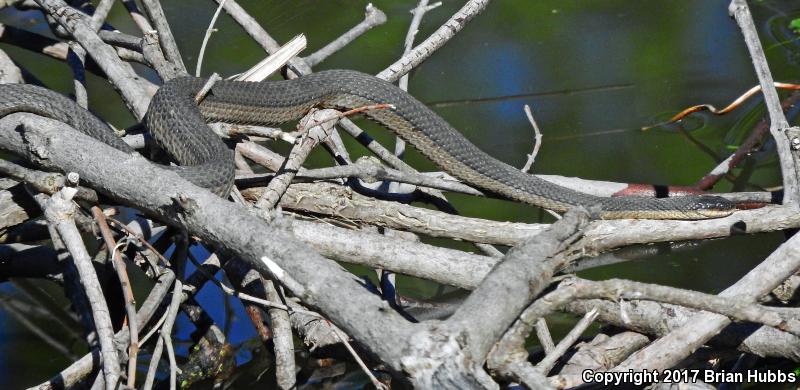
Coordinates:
<point>101,13</point>
<point>315,330</point>
<point>206,37</point>
<point>543,334</point>
<point>254,133</point>
<point>369,171</point>
<point>156,327</point>
<point>319,124</point>
<point>364,368</point>
<point>439,37</point>
<point>282,338</point>
<point>58,50</point>
<point>418,13</point>
<point>603,352</point>
<point>546,364</point>
<point>58,211</point>
<point>730,107</point>
<point>362,109</point>
<point>275,61</point>
<point>165,37</point>
<point>525,373</point>
<point>165,335</point>
<point>771,218</point>
<point>139,19</point>
<point>658,319</point>
<point>615,289</point>
<point>297,66</point>
<point>446,266</point>
<point>269,304</point>
<point>127,292</point>
<point>151,51</point>
<point>76,58</point>
<point>47,182</point>
<point>442,265</point>
<point>372,17</point>
<point>281,330</point>
<point>119,73</point>
<point>744,150</point>
<point>173,363</point>
<point>141,239</point>
<point>263,156</point>
<point>537,142</point>
<point>201,94</point>
<point>731,307</point>
<point>80,369</point>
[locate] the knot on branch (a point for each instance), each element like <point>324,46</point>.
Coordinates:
<point>374,15</point>
<point>736,6</point>
<point>793,134</point>
<point>281,222</point>
<point>70,16</point>
<point>371,168</point>
<point>60,206</point>
<point>318,125</point>
<point>37,144</point>
<point>438,358</point>
<point>182,205</point>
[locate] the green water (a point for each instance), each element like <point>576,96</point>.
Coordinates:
<point>593,72</point>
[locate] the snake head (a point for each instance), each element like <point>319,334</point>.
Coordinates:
<point>709,206</point>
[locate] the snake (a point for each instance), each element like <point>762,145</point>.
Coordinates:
<point>180,126</point>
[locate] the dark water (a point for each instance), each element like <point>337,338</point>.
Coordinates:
<point>593,72</point>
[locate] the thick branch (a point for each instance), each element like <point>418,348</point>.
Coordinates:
<point>267,249</point>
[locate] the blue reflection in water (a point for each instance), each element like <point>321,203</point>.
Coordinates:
<point>212,299</point>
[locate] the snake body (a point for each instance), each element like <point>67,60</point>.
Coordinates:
<point>178,123</point>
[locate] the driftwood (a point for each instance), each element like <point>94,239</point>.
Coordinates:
<point>280,238</point>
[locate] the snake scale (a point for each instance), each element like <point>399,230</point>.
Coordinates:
<point>179,125</point>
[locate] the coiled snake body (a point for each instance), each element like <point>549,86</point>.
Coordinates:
<point>179,125</point>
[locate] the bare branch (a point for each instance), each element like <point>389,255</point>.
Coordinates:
<point>297,65</point>
<point>251,237</point>
<point>370,171</point>
<point>372,17</point>
<point>125,284</point>
<point>439,37</point>
<point>58,210</point>
<point>318,125</point>
<point>670,349</point>
<point>171,52</point>
<point>120,73</point>
<point>206,37</point>
<point>787,138</point>
<point>537,142</point>
<point>546,364</point>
